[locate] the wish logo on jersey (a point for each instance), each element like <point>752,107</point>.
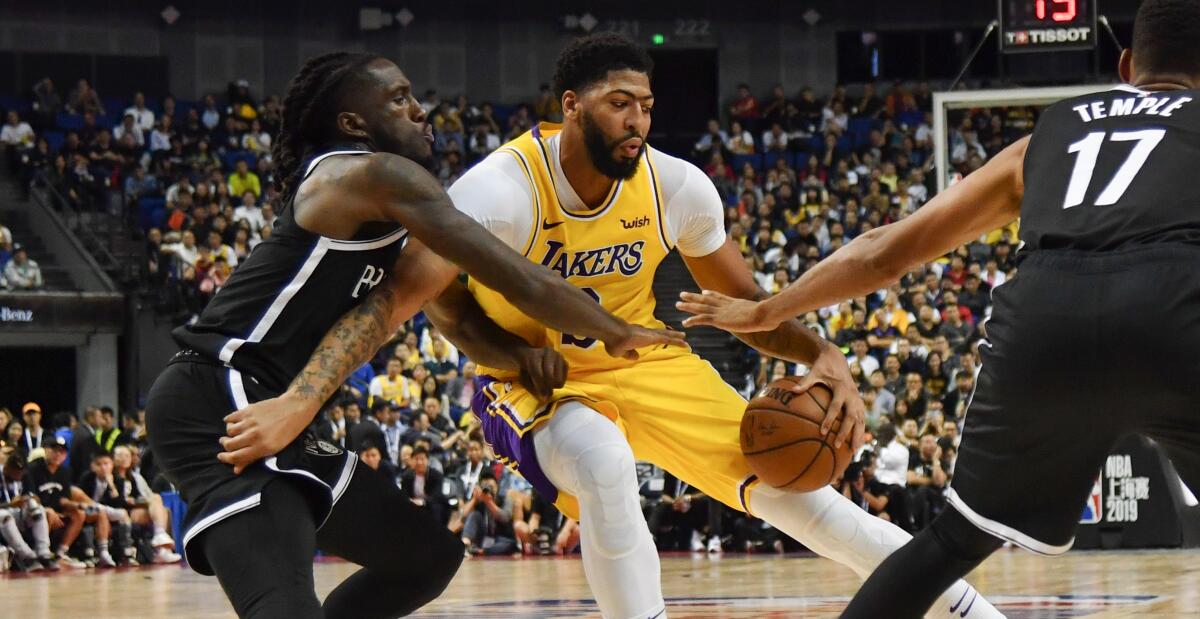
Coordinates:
<point>625,257</point>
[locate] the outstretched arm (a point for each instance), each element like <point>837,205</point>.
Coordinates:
<point>726,272</point>
<point>402,191</point>
<point>985,200</point>
<point>460,318</point>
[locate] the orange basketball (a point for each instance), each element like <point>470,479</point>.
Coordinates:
<point>782,442</point>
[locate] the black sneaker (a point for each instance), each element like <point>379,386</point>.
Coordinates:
<point>23,565</point>
<point>49,563</point>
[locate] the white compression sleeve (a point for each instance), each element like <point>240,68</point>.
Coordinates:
<point>830,525</point>
<point>584,453</point>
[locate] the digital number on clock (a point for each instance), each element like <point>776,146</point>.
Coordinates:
<point>1047,25</point>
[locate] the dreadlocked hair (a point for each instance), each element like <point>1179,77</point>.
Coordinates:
<point>306,121</point>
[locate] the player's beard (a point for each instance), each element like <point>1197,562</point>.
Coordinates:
<point>601,151</point>
<point>406,143</point>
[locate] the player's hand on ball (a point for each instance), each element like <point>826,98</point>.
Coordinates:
<point>260,430</point>
<point>714,309</point>
<point>633,337</point>
<point>542,371</point>
<point>830,369</point>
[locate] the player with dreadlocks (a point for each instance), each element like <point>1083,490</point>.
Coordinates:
<point>364,231</point>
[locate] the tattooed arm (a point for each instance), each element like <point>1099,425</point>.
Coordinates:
<point>266,427</point>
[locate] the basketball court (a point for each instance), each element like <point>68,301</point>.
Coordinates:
<point>1093,584</point>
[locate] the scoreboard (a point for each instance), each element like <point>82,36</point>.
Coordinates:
<point>1047,25</point>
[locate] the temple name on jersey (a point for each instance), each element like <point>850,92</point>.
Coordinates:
<point>627,257</point>
<point>1131,106</point>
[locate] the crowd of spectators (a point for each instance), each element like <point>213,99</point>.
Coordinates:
<point>800,178</point>
<point>75,493</point>
<point>195,179</point>
<point>17,270</point>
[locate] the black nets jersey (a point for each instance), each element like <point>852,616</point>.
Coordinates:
<point>278,304</point>
<point>1114,169</point>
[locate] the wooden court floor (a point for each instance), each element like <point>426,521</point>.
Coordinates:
<point>1023,586</point>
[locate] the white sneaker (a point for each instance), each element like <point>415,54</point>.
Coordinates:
<point>714,545</point>
<point>72,562</point>
<point>165,555</point>
<point>162,539</point>
<point>105,560</point>
<point>697,542</point>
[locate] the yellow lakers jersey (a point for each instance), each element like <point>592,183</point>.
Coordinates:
<point>611,252</point>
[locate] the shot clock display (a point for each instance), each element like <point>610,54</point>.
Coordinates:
<point>1047,25</point>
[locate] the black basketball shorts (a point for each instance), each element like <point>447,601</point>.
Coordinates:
<point>185,413</point>
<point>1082,349</point>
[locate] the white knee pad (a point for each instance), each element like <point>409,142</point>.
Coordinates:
<point>608,497</point>
<point>585,454</point>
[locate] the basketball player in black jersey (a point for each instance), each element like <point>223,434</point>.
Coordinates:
<point>1095,338</point>
<point>367,231</point>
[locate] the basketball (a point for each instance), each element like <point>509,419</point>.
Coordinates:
<point>781,437</point>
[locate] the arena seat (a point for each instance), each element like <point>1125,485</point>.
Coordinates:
<point>146,211</point>
<point>55,139</point>
<point>911,119</point>
<point>230,159</point>
<point>178,509</point>
<point>755,160</point>
<point>10,102</point>
<point>183,106</point>
<point>501,113</point>
<point>69,122</point>
<point>114,106</point>
<point>860,131</point>
<point>771,158</point>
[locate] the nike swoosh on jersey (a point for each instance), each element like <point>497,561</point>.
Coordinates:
<point>546,225</point>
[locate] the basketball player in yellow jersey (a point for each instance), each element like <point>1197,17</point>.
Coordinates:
<point>592,202</point>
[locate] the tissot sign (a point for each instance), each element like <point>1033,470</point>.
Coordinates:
<point>1047,25</point>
